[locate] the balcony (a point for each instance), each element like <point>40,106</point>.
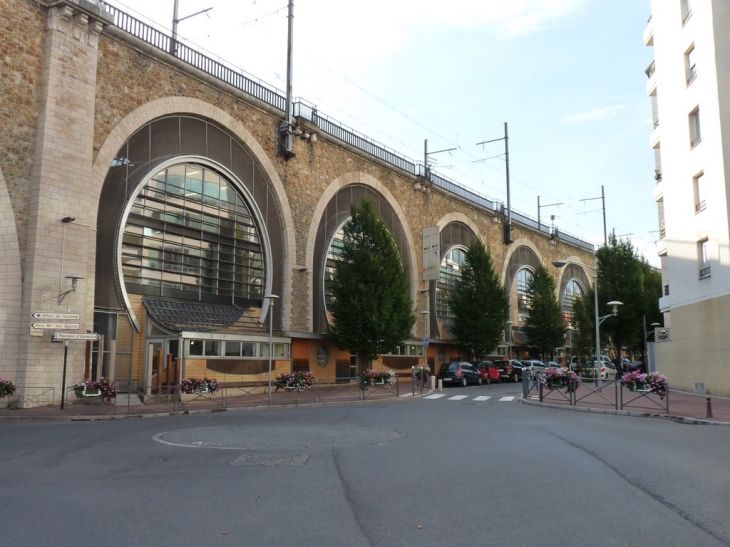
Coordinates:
<point>650,70</point>
<point>661,247</point>
<point>691,75</point>
<point>665,304</point>
<point>651,74</point>
<point>649,33</point>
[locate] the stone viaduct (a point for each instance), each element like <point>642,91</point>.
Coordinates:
<point>157,178</point>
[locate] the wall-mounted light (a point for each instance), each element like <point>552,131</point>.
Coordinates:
<point>74,283</point>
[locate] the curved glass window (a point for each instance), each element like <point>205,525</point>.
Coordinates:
<point>334,251</point>
<point>573,291</point>
<point>524,302</point>
<point>449,276</point>
<point>190,235</point>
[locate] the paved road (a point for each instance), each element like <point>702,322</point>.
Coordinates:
<point>444,471</point>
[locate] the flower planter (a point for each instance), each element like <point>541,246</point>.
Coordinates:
<point>639,387</point>
<point>198,396</point>
<point>86,392</point>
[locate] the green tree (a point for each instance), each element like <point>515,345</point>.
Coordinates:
<point>544,324</point>
<point>652,294</point>
<point>621,277</point>
<point>372,306</point>
<point>479,303</point>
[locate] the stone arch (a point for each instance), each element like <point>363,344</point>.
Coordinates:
<point>457,217</point>
<point>575,269</point>
<point>11,290</point>
<point>521,252</point>
<point>455,230</point>
<point>347,179</point>
<point>187,105</point>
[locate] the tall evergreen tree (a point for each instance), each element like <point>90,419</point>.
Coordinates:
<point>372,306</point>
<point>621,277</point>
<point>479,303</point>
<point>544,324</point>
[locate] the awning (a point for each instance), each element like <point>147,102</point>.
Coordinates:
<point>186,316</point>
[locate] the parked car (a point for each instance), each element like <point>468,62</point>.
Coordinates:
<point>637,365</point>
<point>532,367</point>
<point>459,373</point>
<point>552,364</point>
<point>607,370</point>
<point>509,369</point>
<point>490,373</point>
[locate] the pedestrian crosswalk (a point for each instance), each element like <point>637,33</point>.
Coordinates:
<point>480,398</point>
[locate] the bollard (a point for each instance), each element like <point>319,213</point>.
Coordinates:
<point>709,408</point>
<point>441,384</point>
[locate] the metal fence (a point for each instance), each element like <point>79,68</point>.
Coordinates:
<point>614,394</point>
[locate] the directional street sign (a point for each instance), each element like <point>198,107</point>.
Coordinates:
<point>425,342</point>
<point>76,336</point>
<point>48,315</point>
<point>69,326</point>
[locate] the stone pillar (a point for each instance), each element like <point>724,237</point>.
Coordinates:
<point>61,188</point>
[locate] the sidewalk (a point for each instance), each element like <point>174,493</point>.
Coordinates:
<point>131,406</point>
<point>683,406</point>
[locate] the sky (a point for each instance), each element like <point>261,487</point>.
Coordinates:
<point>566,75</point>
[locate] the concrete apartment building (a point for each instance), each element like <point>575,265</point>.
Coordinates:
<point>689,87</point>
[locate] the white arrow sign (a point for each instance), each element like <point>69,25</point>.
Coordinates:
<point>48,315</point>
<point>76,336</point>
<point>69,326</point>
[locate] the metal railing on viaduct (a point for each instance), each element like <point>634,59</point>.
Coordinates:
<point>271,96</point>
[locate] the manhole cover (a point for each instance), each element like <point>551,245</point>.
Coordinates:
<point>271,459</point>
<point>279,437</point>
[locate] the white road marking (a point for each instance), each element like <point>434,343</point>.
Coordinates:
<point>435,396</point>
<point>482,398</point>
<point>457,398</point>
<point>509,398</point>
<point>406,395</point>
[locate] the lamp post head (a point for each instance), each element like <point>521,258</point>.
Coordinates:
<point>615,304</point>
<point>560,263</point>
<point>655,325</point>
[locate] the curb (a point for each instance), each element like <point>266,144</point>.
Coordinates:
<point>678,419</point>
<point>100,417</point>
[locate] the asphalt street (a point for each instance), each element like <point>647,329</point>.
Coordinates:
<point>478,470</point>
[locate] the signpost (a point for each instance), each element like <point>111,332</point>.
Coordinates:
<point>48,315</point>
<point>92,336</point>
<point>67,326</point>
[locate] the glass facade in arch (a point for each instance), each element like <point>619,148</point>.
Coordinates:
<point>524,302</point>
<point>573,291</point>
<point>449,275</point>
<point>190,235</point>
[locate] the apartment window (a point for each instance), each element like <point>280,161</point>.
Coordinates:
<point>689,65</point>
<point>686,6</point>
<point>703,253</point>
<point>694,128</point>
<point>700,192</point>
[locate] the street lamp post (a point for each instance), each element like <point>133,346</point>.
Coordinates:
<point>509,341</point>
<point>614,303</point>
<point>271,298</point>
